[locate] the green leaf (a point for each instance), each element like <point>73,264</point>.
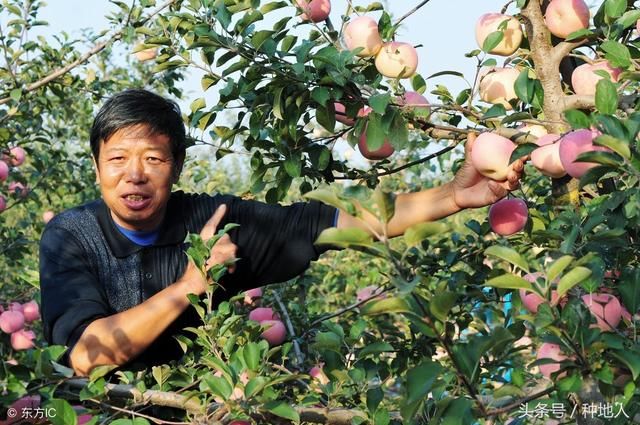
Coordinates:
<point>64,413</point>
<point>198,104</point>
<point>415,234</point>
<point>420,380</point>
<point>440,73</point>
<point>558,266</point>
<point>218,385</point>
<point>327,341</point>
<point>492,41</point>
<point>385,203</point>
<point>621,147</point>
<point>259,37</point>
<point>399,132</point>
<point>522,150</point>
<point>524,86</point>
<point>282,409</point>
<point>615,8</point>
<point>251,355</point>
<point>606,97</point>
<point>379,103</point>
<point>577,119</point>
<point>571,279</point>
<point>278,110</point>
<point>386,305</point>
<point>418,84</point>
<point>458,413</point>
<point>345,238</point>
<point>495,111</point>
<point>631,359</point>
<point>441,304</point>
<point>100,371</point>
<point>375,348</point>
<point>320,95</point>
<point>629,288</point>
<point>16,94</point>
<point>628,19</point>
<point>508,255</point>
<point>208,81</point>
<point>375,134</point>
<point>617,54</point>
<point>293,164</point>
<point>328,197</point>
<point>510,281</point>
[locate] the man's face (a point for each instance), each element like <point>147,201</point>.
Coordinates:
<point>135,171</point>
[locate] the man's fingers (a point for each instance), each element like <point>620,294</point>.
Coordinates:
<point>210,227</point>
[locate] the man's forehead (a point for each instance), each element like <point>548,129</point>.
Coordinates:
<point>137,133</point>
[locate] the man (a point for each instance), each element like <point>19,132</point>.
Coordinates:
<point>114,276</point>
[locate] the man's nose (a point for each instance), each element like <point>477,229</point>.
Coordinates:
<point>135,172</point>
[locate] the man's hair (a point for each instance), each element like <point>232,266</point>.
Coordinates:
<point>134,107</point>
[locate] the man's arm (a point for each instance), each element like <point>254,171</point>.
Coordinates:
<point>119,338</point>
<point>468,189</point>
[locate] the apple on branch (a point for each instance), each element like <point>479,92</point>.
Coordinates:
<point>546,158</point>
<point>584,78</point>
<point>397,60</point>
<point>508,216</point>
<point>490,155</point>
<point>512,32</point>
<point>566,16</point>
<point>314,10</point>
<point>572,145</point>
<point>497,86</point>
<point>362,33</point>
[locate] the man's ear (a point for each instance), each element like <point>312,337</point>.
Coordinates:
<point>96,170</point>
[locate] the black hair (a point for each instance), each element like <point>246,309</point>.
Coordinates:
<point>134,107</point>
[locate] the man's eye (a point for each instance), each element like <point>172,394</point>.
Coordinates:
<point>116,158</point>
<point>153,159</point>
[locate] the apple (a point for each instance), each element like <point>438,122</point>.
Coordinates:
<point>4,171</point>
<point>318,374</point>
<point>251,295</point>
<point>584,78</point>
<point>239,423</point>
<point>22,339</point>
<point>146,54</point>
<point>11,321</point>
<point>414,102</point>
<point>15,306</point>
<point>18,189</point>
<point>535,130</point>
<point>531,301</point>
<point>275,332</point>
<point>497,86</point>
<point>341,113</point>
<point>546,158</point>
<point>314,10</point>
<point>397,60</point>
<point>362,32</point>
<point>508,216</point>
<point>489,23</point>
<point>638,25</point>
<point>3,203</point>
<point>261,314</point>
<point>566,16</point>
<point>31,311</point>
<point>47,216</point>
<point>17,155</point>
<point>490,155</point>
<point>383,152</point>
<point>366,292</point>
<point>606,308</point>
<point>550,351</point>
<point>573,144</point>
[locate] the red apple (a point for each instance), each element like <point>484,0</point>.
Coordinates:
<point>550,351</point>
<point>397,60</point>
<point>362,32</point>
<point>573,144</point>
<point>531,301</point>
<point>15,306</point>
<point>275,332</point>
<point>497,86</point>
<point>638,25</point>
<point>606,308</point>
<point>383,152</point>
<point>18,189</point>
<point>512,34</point>
<point>22,339</point>
<point>318,374</point>
<point>490,155</point>
<point>31,311</point>
<point>4,171</point>
<point>508,216</point>
<point>261,314</point>
<point>11,321</point>
<point>314,10</point>
<point>239,423</point>
<point>546,158</point>
<point>584,78</point>
<point>47,216</point>
<point>341,113</point>
<point>414,102</point>
<point>252,295</point>
<point>3,203</point>
<point>17,155</point>
<point>566,16</point>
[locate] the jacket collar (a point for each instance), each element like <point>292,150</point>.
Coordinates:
<point>172,230</point>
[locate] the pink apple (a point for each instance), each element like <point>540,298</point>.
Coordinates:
<point>239,423</point>
<point>4,171</point>
<point>490,155</point>
<point>638,25</point>
<point>508,216</point>
<point>261,314</point>
<point>3,203</point>
<point>341,113</point>
<point>573,144</point>
<point>550,351</point>
<point>546,158</point>
<point>512,34</point>
<point>584,78</point>
<point>251,295</point>
<point>566,16</point>
<point>83,419</point>
<point>31,311</point>
<point>366,292</point>
<point>362,32</point>
<point>17,155</point>
<point>383,152</point>
<point>531,301</point>
<point>18,189</point>
<point>314,10</point>
<point>47,216</point>
<point>15,306</point>
<point>22,339</point>
<point>414,102</point>
<point>497,86</point>
<point>606,308</point>
<point>11,321</point>
<point>318,374</point>
<point>275,332</point>
<point>397,60</point>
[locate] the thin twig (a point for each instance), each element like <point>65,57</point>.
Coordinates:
<point>411,12</point>
<point>287,321</point>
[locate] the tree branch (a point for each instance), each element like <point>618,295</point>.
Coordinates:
<point>411,12</point>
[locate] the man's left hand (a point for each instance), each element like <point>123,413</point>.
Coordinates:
<point>472,190</point>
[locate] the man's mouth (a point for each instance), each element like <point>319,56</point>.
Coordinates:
<point>134,197</point>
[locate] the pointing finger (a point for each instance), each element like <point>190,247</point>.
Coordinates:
<point>210,227</point>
